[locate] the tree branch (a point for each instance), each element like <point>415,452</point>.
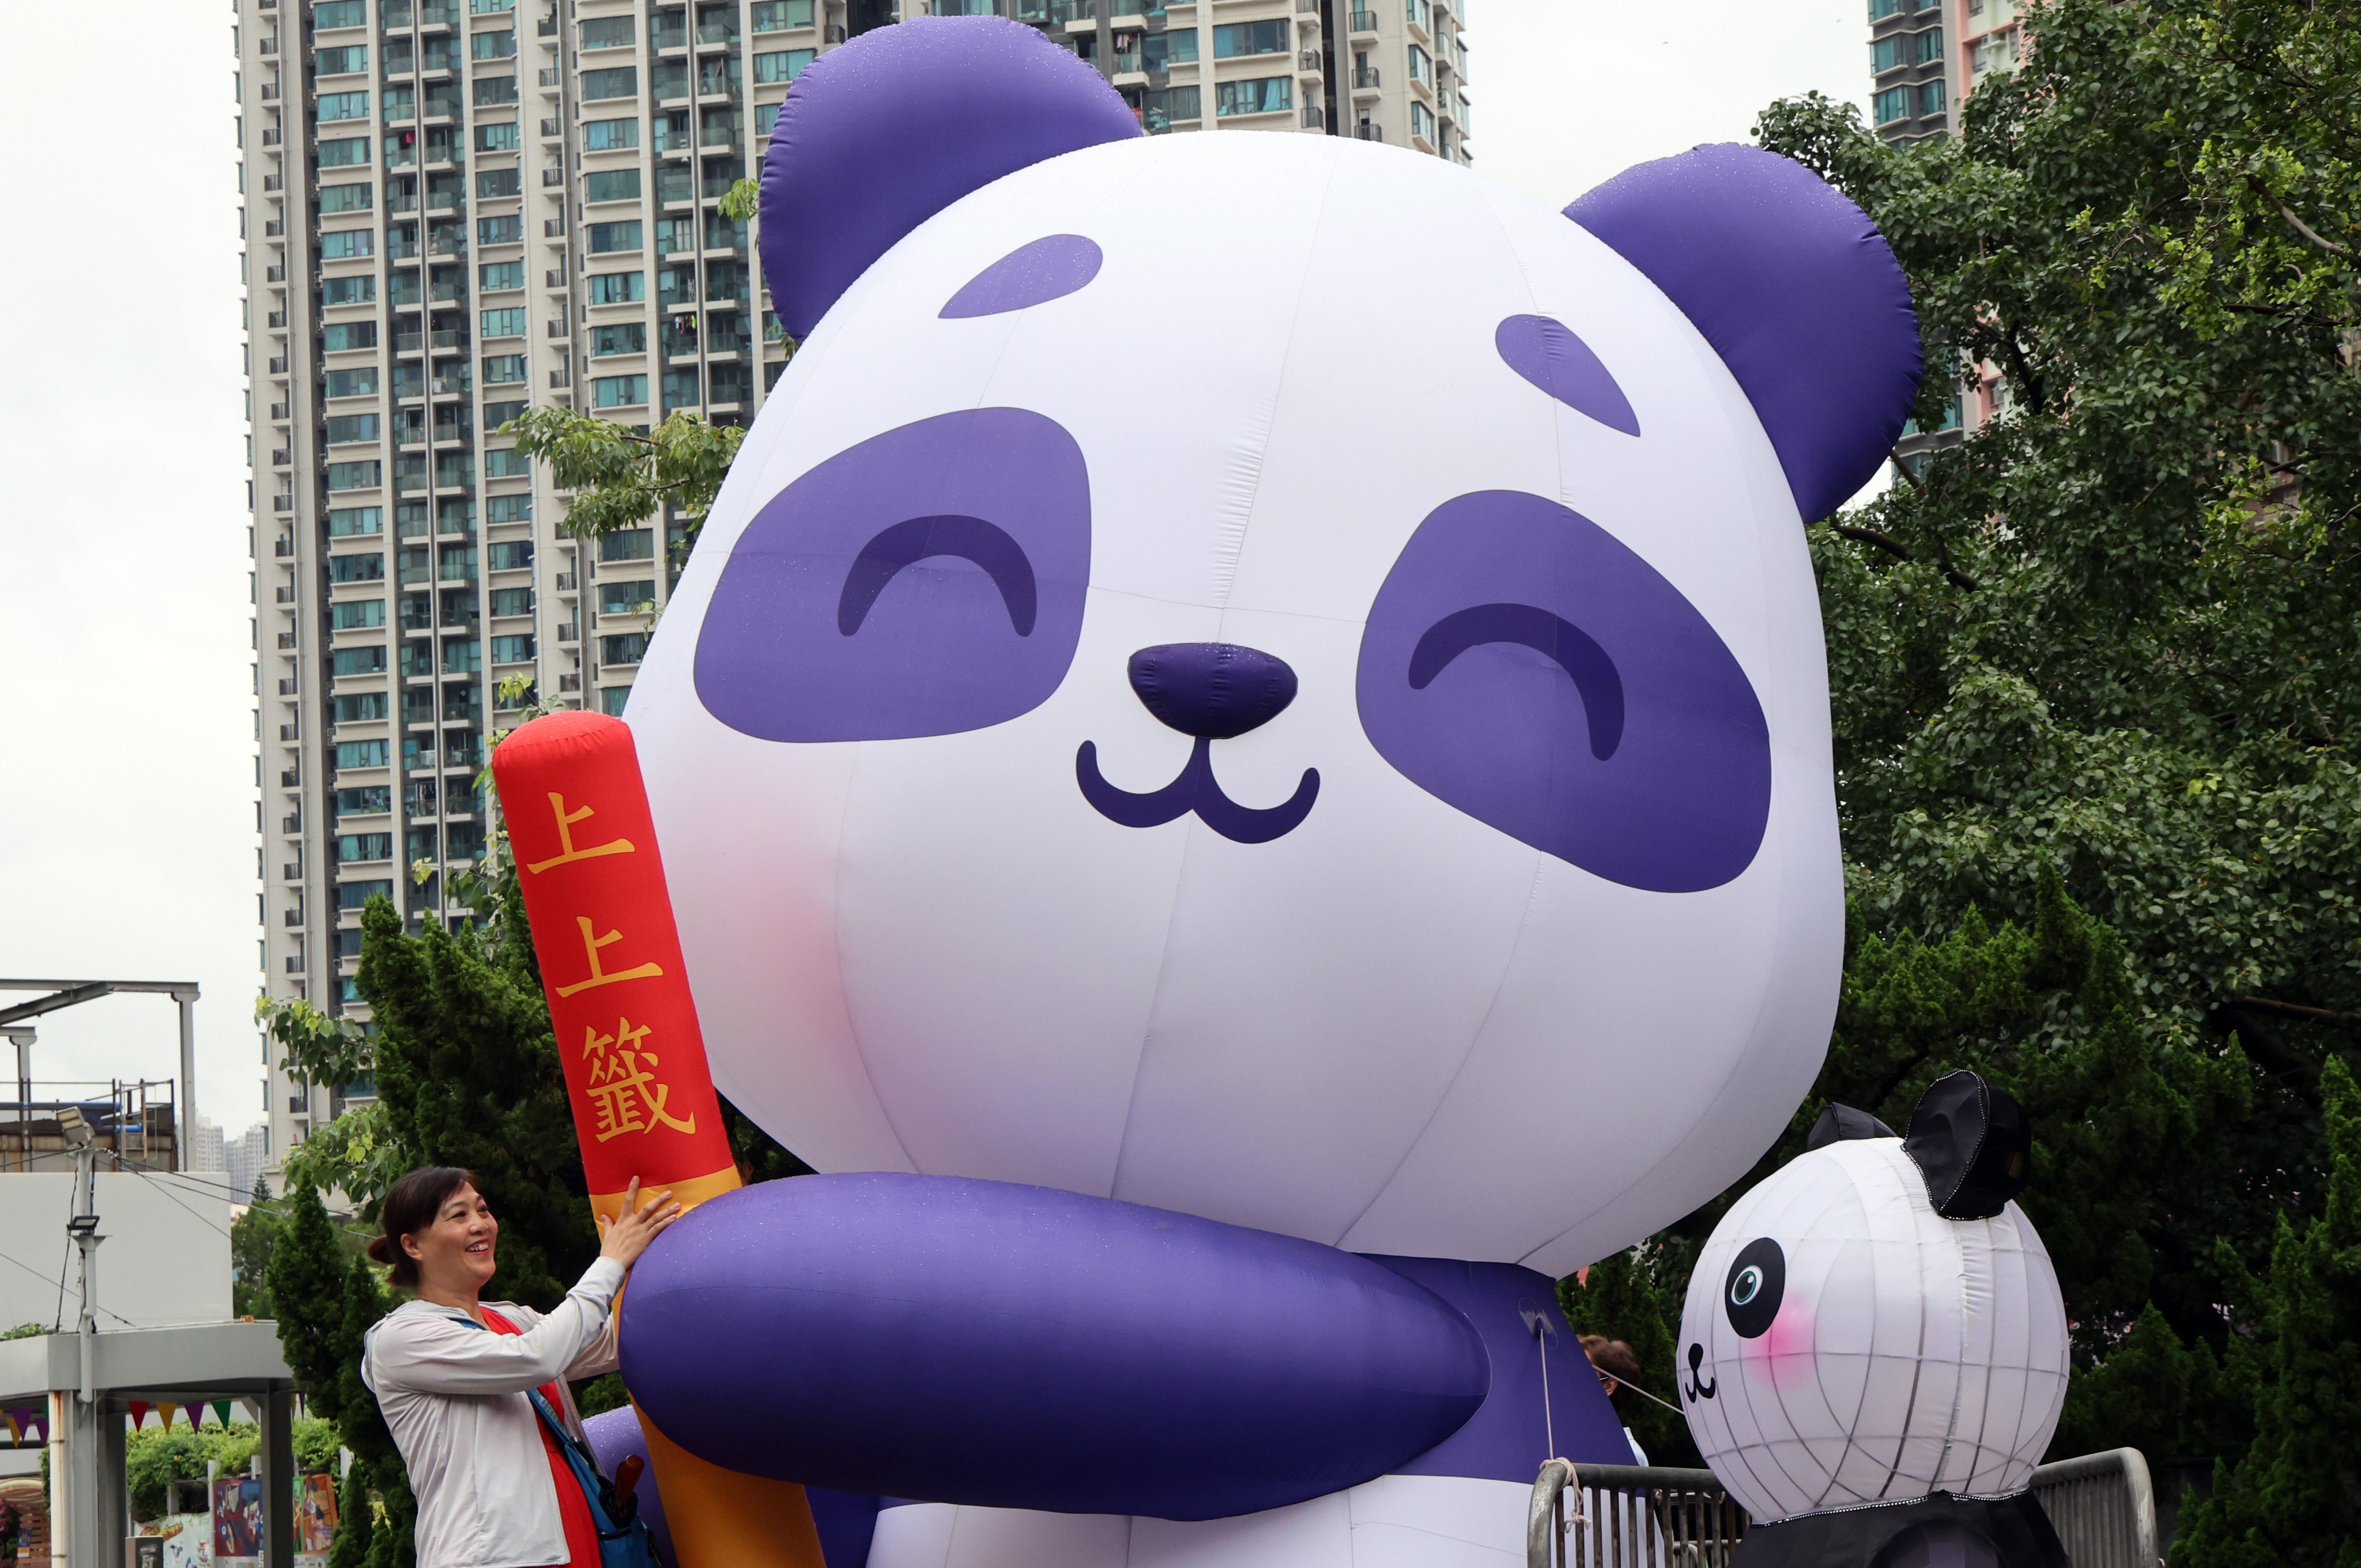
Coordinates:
<point>2312,234</point>
<point>2295,1010</point>
<point>1870,536</point>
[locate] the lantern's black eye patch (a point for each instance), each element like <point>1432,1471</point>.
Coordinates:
<point>1757,1283</point>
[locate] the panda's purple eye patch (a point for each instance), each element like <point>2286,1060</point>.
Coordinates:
<point>926,581</point>
<point>1547,353</point>
<point>1047,268</point>
<point>1526,666</point>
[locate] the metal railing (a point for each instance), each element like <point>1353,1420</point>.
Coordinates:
<point>2104,1508</point>
<point>1626,1516</point>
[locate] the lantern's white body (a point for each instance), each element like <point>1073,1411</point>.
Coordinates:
<point>1383,1030</point>
<point>1909,1353</point>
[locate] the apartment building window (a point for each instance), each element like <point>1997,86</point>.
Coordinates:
<point>1892,105</point>
<point>765,117</point>
<point>1931,98</point>
<point>494,91</point>
<point>344,152</point>
<point>347,59</point>
<point>621,337</point>
<point>510,555</point>
<point>505,323</point>
<point>508,509</point>
<point>628,544</point>
<point>359,290</point>
<point>613,698</point>
<point>1419,15</point>
<point>511,601</point>
<point>1422,68</point>
<point>343,337</point>
<point>344,198</point>
<point>1930,45</point>
<point>1162,106</point>
<point>498,277</point>
<point>1234,39</point>
<point>353,847</point>
<point>491,7</point>
<point>606,239</point>
<point>1421,120</point>
<point>732,384</point>
<point>627,597</point>
<point>516,649</point>
<point>455,563</point>
<point>344,428</point>
<point>501,138</point>
<point>464,841</point>
<point>1160,50</point>
<point>462,656</point>
<point>1891,53</point>
<point>498,414</point>
<point>625,648</point>
<point>617,391</point>
<point>331,14</point>
<point>361,383</point>
<point>612,185</point>
<point>506,463</point>
<point>609,135</point>
<point>610,32</point>
<point>354,661</point>
<point>1881,9</point>
<point>493,183</point>
<point>778,15</point>
<point>615,82</point>
<point>359,615</point>
<point>722,75</point>
<point>334,107</point>
<point>680,388</point>
<point>343,245</point>
<point>1255,95</point>
<point>499,45</point>
<point>344,521</point>
<point>368,800</point>
<point>365,475</point>
<point>781,65</point>
<point>501,369</point>
<point>354,894</point>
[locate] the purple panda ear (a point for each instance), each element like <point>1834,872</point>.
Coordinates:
<point>1792,286</point>
<point>881,135</point>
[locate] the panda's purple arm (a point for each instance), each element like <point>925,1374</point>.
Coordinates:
<point>979,1341</point>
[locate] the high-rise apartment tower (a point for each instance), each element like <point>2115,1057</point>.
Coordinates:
<point>457,209</point>
<point>1924,57</point>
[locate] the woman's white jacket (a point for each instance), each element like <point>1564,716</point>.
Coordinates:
<point>455,1394</point>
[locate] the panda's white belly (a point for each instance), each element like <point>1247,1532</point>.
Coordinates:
<point>1395,1521</point>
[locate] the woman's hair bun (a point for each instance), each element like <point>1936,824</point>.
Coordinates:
<point>380,1250</point>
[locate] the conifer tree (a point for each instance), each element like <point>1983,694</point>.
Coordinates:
<point>2294,1497</point>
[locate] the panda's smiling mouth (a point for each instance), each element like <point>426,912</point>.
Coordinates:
<point>1212,691</point>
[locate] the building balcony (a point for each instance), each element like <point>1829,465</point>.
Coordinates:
<point>1362,21</point>
<point>1366,79</point>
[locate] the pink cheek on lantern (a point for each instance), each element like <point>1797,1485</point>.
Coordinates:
<point>1783,1356</point>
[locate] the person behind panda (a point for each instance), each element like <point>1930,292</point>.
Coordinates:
<point>1618,1368</point>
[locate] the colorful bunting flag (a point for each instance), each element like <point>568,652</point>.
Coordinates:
<point>168,1409</point>
<point>138,1414</point>
<point>16,1434</point>
<point>221,1411</point>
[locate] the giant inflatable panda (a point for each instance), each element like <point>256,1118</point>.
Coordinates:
<point>1244,763</point>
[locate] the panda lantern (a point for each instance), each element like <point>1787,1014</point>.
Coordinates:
<point>1874,1346</point>
<point>1233,678</point>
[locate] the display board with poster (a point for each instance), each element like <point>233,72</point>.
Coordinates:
<point>316,1519</point>
<point>237,1522</point>
<point>188,1541</point>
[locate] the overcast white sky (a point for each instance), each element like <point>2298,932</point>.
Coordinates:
<point>126,788</point>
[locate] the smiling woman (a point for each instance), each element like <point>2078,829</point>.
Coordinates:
<point>476,1392</point>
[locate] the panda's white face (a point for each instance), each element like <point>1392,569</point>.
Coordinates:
<point>1843,1343</point>
<point>1512,934</point>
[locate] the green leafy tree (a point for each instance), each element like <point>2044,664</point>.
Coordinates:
<point>621,476</point>
<point>1631,1295</point>
<point>251,1238</point>
<point>2294,1497</point>
<point>2090,665</point>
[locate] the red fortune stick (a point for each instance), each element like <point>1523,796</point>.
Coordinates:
<point>585,845</point>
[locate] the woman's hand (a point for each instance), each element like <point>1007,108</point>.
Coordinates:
<point>627,1235</point>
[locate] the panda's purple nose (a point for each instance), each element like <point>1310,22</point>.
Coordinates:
<point>1211,690</point>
